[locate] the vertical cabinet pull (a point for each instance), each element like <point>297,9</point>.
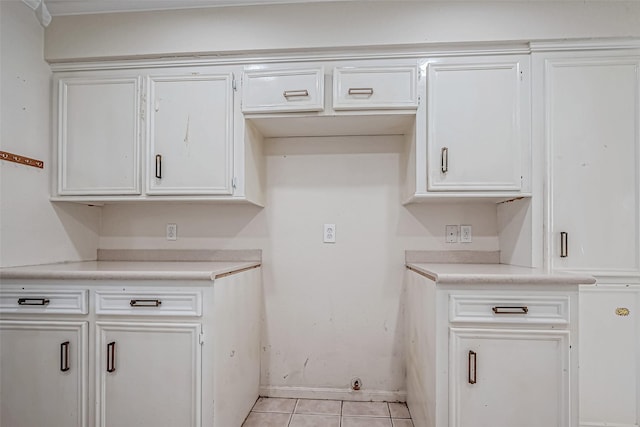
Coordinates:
<point>159,166</point>
<point>564,244</point>
<point>64,356</point>
<point>444,160</point>
<point>111,357</point>
<point>473,366</point>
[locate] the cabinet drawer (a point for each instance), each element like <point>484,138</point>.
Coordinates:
<point>44,301</point>
<point>149,303</point>
<point>375,88</point>
<point>283,90</point>
<point>509,309</point>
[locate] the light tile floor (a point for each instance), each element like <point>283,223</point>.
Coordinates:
<point>278,412</point>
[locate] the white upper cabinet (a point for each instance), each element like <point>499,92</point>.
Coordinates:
<point>163,133</point>
<point>592,112</point>
<point>361,88</point>
<point>288,90</point>
<point>99,136</point>
<point>190,134</point>
<point>477,125</point>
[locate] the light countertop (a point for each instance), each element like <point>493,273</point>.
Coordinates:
<point>129,270</point>
<point>496,274</point>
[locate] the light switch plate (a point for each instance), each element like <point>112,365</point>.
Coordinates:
<point>172,232</point>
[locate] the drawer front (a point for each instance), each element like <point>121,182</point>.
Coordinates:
<point>149,303</point>
<point>283,91</point>
<point>44,301</point>
<point>509,309</point>
<point>375,88</point>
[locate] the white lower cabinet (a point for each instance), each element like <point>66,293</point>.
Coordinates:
<point>609,361</point>
<point>488,355</point>
<point>43,373</point>
<point>125,353</point>
<point>148,374</point>
<point>508,377</point>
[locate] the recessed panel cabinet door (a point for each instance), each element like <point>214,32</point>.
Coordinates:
<point>477,123</point>
<point>609,357</point>
<point>507,378</point>
<point>593,121</point>
<point>99,136</point>
<point>148,374</point>
<point>190,134</point>
<point>43,374</point>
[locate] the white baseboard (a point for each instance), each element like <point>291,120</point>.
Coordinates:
<point>333,394</point>
<point>605,424</point>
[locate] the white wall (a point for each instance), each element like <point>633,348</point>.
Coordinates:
<point>32,230</point>
<point>306,26</point>
<point>332,310</point>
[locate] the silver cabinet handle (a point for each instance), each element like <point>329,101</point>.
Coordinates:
<point>295,93</point>
<point>159,166</point>
<point>564,244</point>
<point>145,303</point>
<point>473,367</point>
<point>511,310</point>
<point>64,356</point>
<point>111,357</point>
<point>33,301</point>
<point>444,160</point>
<point>360,91</point>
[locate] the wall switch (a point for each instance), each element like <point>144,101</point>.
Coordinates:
<point>329,235</point>
<point>172,232</point>
<point>451,234</point>
<point>465,234</point>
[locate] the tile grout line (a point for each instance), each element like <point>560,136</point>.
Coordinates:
<point>293,411</point>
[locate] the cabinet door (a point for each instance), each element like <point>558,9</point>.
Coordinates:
<point>609,355</point>
<point>43,374</point>
<point>506,378</point>
<point>99,136</point>
<point>190,134</point>
<point>593,121</point>
<point>477,123</point>
<point>148,374</point>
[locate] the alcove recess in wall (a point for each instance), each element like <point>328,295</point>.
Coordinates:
<point>513,215</point>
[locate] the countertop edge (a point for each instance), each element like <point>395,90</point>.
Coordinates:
<point>550,278</point>
<point>205,275</point>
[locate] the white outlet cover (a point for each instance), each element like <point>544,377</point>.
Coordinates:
<point>329,235</point>
<point>451,234</point>
<point>466,234</point>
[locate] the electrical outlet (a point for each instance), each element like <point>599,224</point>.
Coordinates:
<point>451,233</point>
<point>465,234</point>
<point>172,232</point>
<point>329,235</point>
